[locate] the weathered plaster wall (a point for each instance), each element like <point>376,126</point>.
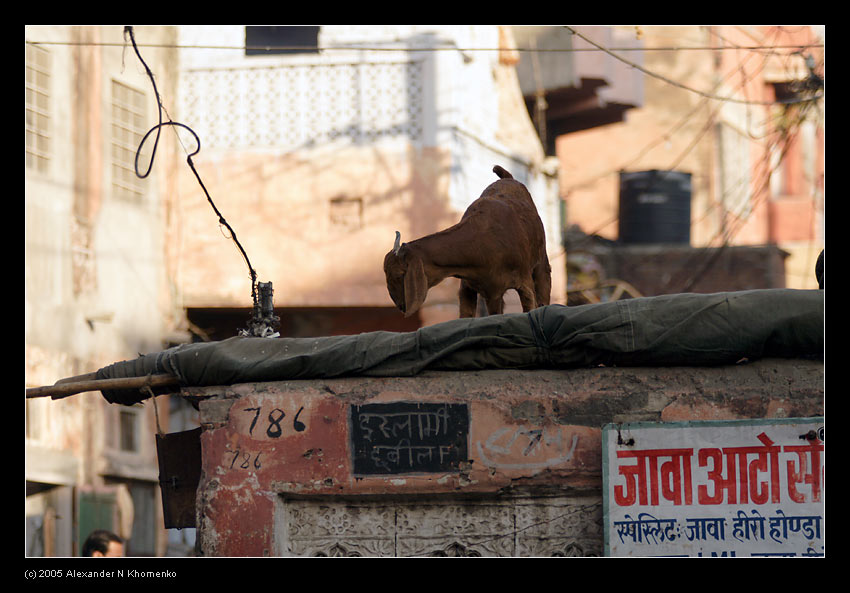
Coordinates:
<point>530,433</point>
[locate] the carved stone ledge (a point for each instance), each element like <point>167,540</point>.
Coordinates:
<point>516,526</point>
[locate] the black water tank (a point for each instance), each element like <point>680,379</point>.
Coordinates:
<point>655,207</point>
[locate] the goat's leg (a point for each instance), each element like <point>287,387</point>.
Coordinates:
<point>527,297</point>
<point>542,277</point>
<point>495,306</point>
<point>467,300</point>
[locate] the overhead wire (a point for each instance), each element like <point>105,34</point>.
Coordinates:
<point>734,219</point>
<point>659,139</point>
<point>128,31</point>
<point>676,83</point>
<point>595,47</point>
<point>768,50</point>
<point>781,137</point>
<point>394,48</point>
<point>761,193</point>
<point>744,80</point>
<point>664,137</point>
<point>726,233</point>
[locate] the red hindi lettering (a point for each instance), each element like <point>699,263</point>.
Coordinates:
<point>806,470</point>
<point>715,474</point>
<point>635,476</point>
<point>741,482</point>
<point>676,477</point>
<point>768,461</point>
<point>647,482</point>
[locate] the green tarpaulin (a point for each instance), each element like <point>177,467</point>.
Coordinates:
<point>673,330</point>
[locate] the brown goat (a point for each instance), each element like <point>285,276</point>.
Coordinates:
<point>499,244</point>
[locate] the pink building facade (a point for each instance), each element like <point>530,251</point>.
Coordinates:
<point>743,116</point>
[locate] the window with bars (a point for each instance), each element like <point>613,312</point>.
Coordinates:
<point>37,105</point>
<point>128,128</point>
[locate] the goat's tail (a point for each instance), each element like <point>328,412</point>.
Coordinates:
<point>502,173</point>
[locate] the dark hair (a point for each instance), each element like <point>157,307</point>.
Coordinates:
<point>98,541</point>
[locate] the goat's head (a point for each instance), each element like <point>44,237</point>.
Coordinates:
<point>406,280</point>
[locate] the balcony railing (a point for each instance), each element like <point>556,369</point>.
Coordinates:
<point>288,106</point>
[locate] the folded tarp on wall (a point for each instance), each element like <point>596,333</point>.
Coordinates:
<point>671,330</point>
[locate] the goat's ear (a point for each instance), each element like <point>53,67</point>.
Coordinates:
<point>415,286</point>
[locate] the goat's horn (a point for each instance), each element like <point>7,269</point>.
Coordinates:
<point>502,173</point>
<point>397,242</point>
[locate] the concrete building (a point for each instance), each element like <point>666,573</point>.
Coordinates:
<point>755,159</point>
<point>319,152</point>
<point>97,281</point>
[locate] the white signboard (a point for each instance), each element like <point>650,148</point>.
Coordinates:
<point>727,488</point>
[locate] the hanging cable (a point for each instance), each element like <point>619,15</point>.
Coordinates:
<point>263,321</point>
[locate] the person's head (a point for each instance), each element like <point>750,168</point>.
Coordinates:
<point>103,543</point>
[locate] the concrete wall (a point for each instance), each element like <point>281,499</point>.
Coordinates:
<point>278,461</point>
<point>670,269</point>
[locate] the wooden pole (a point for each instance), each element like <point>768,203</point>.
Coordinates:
<point>88,382</point>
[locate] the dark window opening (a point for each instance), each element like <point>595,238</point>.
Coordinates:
<point>128,431</point>
<point>291,39</point>
<point>217,324</point>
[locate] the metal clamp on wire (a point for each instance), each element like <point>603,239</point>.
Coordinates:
<point>263,323</point>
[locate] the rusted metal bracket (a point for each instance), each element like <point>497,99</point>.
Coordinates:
<point>179,456</point>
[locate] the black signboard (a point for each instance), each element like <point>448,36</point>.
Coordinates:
<point>407,437</point>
